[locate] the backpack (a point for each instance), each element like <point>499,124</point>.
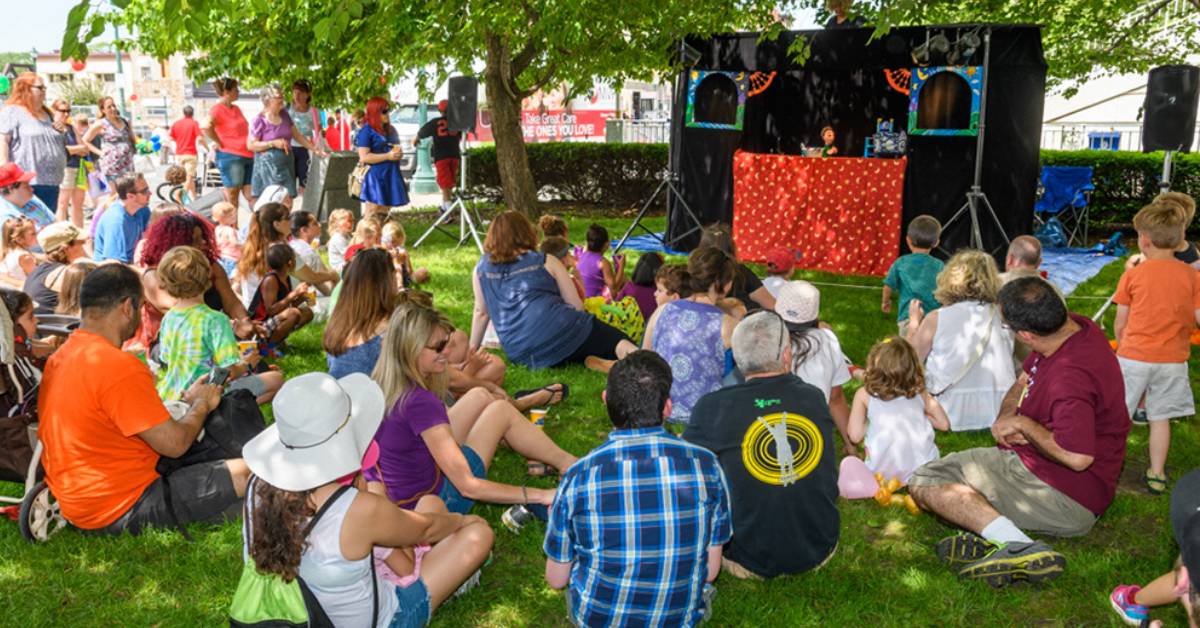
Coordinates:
<point>227,429</point>
<point>264,600</point>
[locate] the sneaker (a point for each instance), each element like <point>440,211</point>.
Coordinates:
<point>1139,417</point>
<point>1007,563</point>
<point>1130,612</point>
<point>471,583</point>
<point>963,548</point>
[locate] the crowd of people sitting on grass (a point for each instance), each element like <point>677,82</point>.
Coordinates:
<point>733,434</point>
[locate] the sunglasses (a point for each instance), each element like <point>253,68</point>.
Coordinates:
<point>439,347</point>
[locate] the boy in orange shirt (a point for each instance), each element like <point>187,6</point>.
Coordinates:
<point>1158,305</point>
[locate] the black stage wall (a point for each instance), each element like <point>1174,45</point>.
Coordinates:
<point>844,85</point>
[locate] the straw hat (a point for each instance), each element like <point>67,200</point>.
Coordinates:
<point>323,428</point>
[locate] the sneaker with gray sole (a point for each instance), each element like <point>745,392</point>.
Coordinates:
<point>963,548</point>
<point>1008,563</point>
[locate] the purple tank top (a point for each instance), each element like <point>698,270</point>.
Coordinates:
<point>589,270</point>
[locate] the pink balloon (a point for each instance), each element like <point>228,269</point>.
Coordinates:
<point>855,480</point>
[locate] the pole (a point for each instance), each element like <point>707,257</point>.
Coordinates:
<point>120,72</point>
<point>1164,184</point>
<point>423,181</point>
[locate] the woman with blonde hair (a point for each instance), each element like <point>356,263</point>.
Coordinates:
<point>68,295</point>
<point>32,138</point>
<point>427,449</point>
<point>966,348</point>
<point>18,236</point>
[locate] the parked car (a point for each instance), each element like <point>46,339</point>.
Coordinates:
<point>404,119</point>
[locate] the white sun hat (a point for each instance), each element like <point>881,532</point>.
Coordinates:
<point>323,427</point>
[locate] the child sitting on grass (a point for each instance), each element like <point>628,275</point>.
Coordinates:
<point>642,286</point>
<point>1158,306</point>
<point>902,414</point>
<point>781,262</point>
<point>393,239</point>
<point>229,247</point>
<point>597,272</point>
<point>280,311</point>
<point>18,238</point>
<point>194,339</point>
<point>557,246</point>
<point>341,229</point>
<point>914,276</point>
<point>72,279</point>
<point>366,236</point>
<point>669,284</point>
<point>553,227</point>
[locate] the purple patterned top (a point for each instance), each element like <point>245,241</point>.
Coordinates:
<point>688,336</point>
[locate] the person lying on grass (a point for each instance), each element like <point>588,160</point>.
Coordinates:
<point>636,533</point>
<point>427,449</point>
<point>307,463</point>
<point>1060,444</point>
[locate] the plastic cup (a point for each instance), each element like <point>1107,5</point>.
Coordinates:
<point>247,346</point>
<point>537,416</point>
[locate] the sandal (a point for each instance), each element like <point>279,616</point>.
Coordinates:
<point>540,469</point>
<point>1157,485</point>
<point>564,389</point>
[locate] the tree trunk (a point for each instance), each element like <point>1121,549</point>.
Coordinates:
<point>515,177</point>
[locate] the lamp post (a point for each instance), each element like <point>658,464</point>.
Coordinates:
<point>423,180</point>
<point>120,72</point>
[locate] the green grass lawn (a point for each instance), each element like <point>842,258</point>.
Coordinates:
<point>884,572</point>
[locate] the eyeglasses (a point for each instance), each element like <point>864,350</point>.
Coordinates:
<point>439,347</point>
<point>63,110</point>
<point>142,191</point>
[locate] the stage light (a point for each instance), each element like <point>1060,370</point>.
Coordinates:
<point>920,54</point>
<point>939,44</point>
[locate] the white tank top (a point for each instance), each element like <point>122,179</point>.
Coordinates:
<point>12,264</point>
<point>972,400</point>
<point>343,587</point>
<point>899,437</point>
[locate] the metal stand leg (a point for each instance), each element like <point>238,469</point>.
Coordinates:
<point>668,185</point>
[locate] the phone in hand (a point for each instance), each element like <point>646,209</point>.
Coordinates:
<point>218,376</point>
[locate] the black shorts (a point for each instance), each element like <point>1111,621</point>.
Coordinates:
<point>300,159</point>
<point>601,342</point>
<point>198,493</point>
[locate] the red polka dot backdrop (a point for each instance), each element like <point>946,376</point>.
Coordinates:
<point>842,214</point>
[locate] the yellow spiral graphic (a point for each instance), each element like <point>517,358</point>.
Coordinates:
<point>761,448</point>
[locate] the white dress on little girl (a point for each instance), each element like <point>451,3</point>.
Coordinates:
<point>899,437</point>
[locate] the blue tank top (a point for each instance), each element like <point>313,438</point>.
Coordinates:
<point>688,336</point>
<point>356,359</point>
<point>536,327</point>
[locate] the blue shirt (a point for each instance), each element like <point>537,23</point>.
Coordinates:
<point>536,326</point>
<point>357,359</point>
<point>117,233</point>
<point>637,516</point>
<point>914,276</point>
<point>34,210</point>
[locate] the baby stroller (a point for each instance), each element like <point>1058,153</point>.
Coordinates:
<point>20,450</point>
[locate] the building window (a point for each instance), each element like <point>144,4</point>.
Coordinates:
<point>106,78</point>
<point>145,73</point>
<point>61,78</point>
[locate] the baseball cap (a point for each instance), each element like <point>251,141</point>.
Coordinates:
<point>798,304</point>
<point>781,259</point>
<point>443,105</point>
<point>1185,521</point>
<point>57,235</point>
<point>11,173</point>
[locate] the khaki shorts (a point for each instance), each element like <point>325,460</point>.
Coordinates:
<point>1168,393</point>
<point>741,573</point>
<point>189,164</point>
<point>1013,490</point>
<point>70,180</point>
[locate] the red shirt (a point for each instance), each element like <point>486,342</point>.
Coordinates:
<point>1078,394</point>
<point>184,133</point>
<point>338,136</point>
<point>231,128</point>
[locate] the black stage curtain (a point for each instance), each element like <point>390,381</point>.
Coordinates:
<point>843,85</point>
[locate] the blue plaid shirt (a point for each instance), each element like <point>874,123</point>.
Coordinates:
<point>637,516</point>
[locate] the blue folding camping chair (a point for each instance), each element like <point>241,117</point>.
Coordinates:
<point>1066,193</point>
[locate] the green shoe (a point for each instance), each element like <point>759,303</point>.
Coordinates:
<point>1007,563</point>
<point>963,548</point>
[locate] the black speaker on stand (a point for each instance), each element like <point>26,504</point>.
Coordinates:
<point>463,94</point>
<point>1169,122</point>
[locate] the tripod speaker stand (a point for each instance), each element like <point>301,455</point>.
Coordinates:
<point>468,217</point>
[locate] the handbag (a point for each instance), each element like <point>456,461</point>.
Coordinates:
<point>355,183</point>
<point>227,429</point>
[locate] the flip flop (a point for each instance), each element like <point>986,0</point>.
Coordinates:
<point>566,392</point>
<point>1157,485</point>
<point>540,469</point>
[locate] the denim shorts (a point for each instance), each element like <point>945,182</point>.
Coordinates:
<point>455,501</point>
<point>413,610</point>
<point>235,169</point>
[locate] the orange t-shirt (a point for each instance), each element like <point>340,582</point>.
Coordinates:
<point>94,400</point>
<point>1163,296</point>
<point>231,128</point>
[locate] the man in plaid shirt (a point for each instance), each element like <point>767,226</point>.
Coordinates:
<point>637,527</point>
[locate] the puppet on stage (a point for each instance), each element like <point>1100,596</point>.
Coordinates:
<point>828,136</point>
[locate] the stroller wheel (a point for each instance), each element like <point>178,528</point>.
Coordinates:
<point>40,517</point>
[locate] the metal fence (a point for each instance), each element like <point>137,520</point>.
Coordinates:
<point>1099,137</point>
<point>637,131</point>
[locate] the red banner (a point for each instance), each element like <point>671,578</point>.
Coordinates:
<point>842,214</point>
<point>556,125</point>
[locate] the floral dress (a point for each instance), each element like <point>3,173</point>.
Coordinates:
<point>117,159</point>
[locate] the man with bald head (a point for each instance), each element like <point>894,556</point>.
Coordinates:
<point>1024,258</point>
